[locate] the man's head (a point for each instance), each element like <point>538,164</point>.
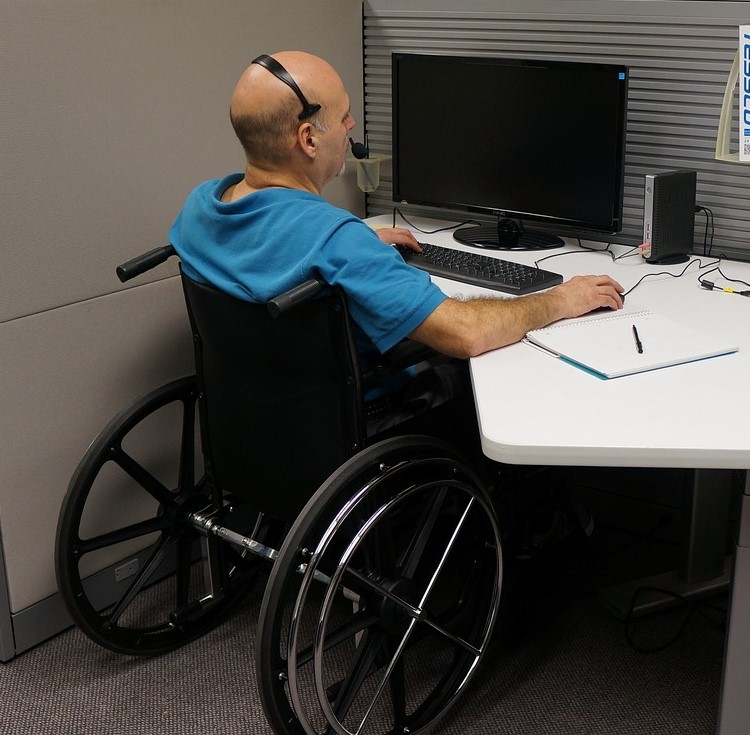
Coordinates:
<point>277,132</point>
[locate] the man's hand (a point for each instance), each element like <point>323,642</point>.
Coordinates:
<point>582,294</point>
<point>398,236</point>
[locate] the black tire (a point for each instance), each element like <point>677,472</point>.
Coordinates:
<point>384,595</point>
<point>135,575</point>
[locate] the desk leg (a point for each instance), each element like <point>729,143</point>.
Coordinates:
<point>734,708</point>
<point>706,568</point>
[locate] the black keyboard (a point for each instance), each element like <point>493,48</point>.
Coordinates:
<point>481,270</point>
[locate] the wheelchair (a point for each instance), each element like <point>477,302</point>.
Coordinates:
<point>382,558</point>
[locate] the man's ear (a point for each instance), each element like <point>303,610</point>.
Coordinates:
<point>308,139</point>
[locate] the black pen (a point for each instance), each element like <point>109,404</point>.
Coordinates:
<point>638,344</point>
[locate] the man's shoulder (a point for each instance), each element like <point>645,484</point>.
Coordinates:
<point>312,211</point>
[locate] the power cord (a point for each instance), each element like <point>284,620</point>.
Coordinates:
<point>398,212</point>
<point>664,273</point>
<point>690,608</point>
<point>708,242</point>
<point>627,254</point>
<point>710,285</point>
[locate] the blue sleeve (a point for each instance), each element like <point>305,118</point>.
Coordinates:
<point>387,298</point>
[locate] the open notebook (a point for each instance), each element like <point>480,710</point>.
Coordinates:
<point>607,345</point>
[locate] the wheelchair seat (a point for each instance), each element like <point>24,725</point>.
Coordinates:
<point>385,555</point>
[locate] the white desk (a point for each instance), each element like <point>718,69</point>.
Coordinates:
<point>534,409</point>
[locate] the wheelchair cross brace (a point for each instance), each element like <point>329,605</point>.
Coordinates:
<point>206,525</point>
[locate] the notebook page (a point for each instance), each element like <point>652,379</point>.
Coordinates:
<point>607,344</point>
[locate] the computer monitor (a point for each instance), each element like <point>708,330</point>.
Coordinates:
<point>522,139</point>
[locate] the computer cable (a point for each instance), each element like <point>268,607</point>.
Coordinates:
<point>398,212</point>
<point>708,242</point>
<point>711,286</point>
<point>632,250</point>
<point>615,258</point>
<point>691,608</point>
<point>691,262</point>
<point>583,251</point>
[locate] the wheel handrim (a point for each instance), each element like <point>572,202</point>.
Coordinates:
<point>307,660</point>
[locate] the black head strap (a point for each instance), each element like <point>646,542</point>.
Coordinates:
<point>269,63</point>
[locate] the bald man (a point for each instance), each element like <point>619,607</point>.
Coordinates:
<point>258,233</point>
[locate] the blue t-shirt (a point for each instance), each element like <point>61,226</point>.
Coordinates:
<point>272,240</point>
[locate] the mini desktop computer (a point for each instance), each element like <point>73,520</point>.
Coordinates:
<point>669,216</point>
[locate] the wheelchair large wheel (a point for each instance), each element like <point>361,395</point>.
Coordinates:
<point>384,595</point>
<point>135,574</point>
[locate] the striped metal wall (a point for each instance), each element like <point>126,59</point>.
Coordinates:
<point>679,53</point>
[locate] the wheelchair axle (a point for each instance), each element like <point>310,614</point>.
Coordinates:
<point>205,524</point>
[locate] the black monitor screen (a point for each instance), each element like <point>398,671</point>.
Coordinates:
<point>521,139</point>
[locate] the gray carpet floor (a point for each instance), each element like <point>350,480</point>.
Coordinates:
<point>570,669</point>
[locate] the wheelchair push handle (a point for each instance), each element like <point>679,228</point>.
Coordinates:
<point>285,301</point>
<point>143,263</point>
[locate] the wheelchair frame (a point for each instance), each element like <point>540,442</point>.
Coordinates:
<point>382,593</point>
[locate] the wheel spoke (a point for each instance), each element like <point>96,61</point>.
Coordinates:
<point>163,547</point>
<point>184,562</point>
<point>418,544</point>
<point>360,621</point>
<point>457,640</point>
<point>142,476</point>
<point>398,693</point>
<point>359,669</point>
<point>447,551</point>
<point>392,666</point>
<point>187,445</point>
<point>127,533</point>
<point>408,608</point>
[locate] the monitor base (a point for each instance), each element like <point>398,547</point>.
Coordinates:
<point>506,235</point>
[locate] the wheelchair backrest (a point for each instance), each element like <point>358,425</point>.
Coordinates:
<point>281,398</point>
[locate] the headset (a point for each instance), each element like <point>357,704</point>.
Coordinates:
<point>359,150</point>
<point>269,63</point>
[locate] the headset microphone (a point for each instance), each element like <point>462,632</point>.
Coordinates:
<point>359,150</point>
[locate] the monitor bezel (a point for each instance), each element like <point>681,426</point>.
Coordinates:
<point>539,219</point>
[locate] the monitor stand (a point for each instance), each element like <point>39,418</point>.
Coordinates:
<point>507,234</point>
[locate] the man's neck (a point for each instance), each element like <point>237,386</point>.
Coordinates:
<point>258,179</point>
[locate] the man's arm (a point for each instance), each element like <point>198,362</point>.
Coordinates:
<point>468,328</point>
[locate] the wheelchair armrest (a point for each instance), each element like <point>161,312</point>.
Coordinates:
<point>403,355</point>
<point>285,301</point>
<point>143,263</point>
<point>406,353</point>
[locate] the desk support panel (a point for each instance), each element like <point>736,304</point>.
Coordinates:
<point>706,514</point>
<point>705,570</point>
<point>734,713</point>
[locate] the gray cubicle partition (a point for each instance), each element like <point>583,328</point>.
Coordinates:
<point>679,51</point>
<point>112,112</point>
